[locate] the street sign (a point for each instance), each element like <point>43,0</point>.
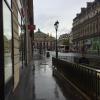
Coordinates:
<point>31,27</point>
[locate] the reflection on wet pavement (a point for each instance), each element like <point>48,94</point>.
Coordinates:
<point>46,87</point>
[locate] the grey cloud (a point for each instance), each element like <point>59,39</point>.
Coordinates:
<point>48,11</point>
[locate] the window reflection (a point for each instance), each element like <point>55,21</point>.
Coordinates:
<point>19,20</point>
<point>7,42</point>
<point>9,2</point>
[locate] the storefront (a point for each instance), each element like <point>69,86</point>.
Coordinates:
<point>6,52</point>
<point>8,47</point>
<point>95,47</point>
<point>92,45</point>
<point>10,32</point>
<point>13,46</point>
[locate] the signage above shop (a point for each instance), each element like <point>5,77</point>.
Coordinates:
<point>31,27</point>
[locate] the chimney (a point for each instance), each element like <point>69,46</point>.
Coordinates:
<point>89,4</point>
<point>83,9</point>
<point>77,15</point>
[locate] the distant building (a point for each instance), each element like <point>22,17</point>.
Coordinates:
<point>63,43</point>
<point>71,46</point>
<point>63,39</point>
<point>86,29</point>
<point>43,41</point>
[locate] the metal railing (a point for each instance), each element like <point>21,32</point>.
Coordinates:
<point>94,61</point>
<point>86,78</point>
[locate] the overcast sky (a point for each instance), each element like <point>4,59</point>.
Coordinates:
<point>46,12</point>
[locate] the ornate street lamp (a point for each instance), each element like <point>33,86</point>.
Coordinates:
<point>56,28</point>
<point>44,44</point>
<point>98,47</point>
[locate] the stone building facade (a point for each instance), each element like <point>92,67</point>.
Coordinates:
<point>71,46</point>
<point>86,29</point>
<point>15,16</point>
<point>63,39</point>
<point>43,41</point>
<point>63,43</point>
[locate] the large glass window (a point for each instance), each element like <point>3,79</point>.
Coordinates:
<point>9,2</point>
<point>19,20</point>
<point>7,42</point>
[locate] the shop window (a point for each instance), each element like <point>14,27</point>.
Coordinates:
<point>7,42</point>
<point>8,2</point>
<point>19,20</point>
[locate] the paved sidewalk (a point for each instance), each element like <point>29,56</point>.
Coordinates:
<point>40,84</point>
<point>25,89</point>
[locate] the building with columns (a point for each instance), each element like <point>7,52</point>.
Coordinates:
<point>43,41</point>
<point>86,29</point>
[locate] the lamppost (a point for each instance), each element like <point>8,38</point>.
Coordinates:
<point>56,28</point>
<point>44,44</point>
<point>98,48</point>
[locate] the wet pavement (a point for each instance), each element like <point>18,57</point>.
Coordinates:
<point>38,83</point>
<point>47,87</point>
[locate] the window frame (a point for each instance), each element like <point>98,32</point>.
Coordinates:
<point>7,3</point>
<point>1,54</point>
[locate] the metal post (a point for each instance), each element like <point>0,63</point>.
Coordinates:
<point>56,46</point>
<point>44,45</point>
<point>97,33</point>
<point>56,28</point>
